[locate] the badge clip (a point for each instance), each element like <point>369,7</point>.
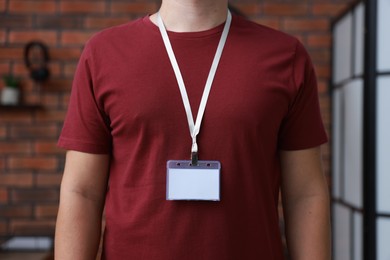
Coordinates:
<point>194,158</point>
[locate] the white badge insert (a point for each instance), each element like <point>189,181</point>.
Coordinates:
<point>188,182</point>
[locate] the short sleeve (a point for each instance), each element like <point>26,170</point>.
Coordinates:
<point>86,126</point>
<point>302,127</point>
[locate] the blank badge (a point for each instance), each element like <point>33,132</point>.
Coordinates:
<point>188,182</point>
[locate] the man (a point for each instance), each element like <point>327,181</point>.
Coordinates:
<point>126,120</point>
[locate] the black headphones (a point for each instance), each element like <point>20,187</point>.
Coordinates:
<point>38,72</point>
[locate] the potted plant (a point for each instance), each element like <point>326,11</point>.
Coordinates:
<point>11,92</point>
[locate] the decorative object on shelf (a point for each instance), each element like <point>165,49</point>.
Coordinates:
<point>10,94</point>
<point>36,58</point>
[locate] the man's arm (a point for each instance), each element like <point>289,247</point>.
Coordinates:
<point>83,190</point>
<point>306,205</point>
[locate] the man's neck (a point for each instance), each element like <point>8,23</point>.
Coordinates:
<point>191,15</point>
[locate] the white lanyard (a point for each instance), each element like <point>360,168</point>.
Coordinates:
<point>194,128</point>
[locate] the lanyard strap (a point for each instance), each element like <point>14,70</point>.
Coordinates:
<point>194,128</point>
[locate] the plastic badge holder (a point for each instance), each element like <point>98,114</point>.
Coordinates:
<point>188,182</point>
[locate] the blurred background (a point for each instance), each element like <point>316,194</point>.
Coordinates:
<point>41,41</point>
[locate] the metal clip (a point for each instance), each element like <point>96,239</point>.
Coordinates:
<point>194,159</point>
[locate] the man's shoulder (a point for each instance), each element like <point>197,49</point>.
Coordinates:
<point>257,32</point>
<point>118,33</point>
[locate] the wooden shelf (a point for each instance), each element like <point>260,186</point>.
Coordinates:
<point>21,107</point>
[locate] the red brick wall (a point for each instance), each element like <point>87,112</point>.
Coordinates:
<point>30,163</point>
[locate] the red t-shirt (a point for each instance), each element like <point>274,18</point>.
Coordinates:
<point>125,102</point>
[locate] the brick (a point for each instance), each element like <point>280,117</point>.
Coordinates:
<point>86,7</point>
<point>270,22</point>
<point>35,195</point>
<point>46,36</point>
<point>4,69</point>
<point>15,211</point>
<point>32,163</point>
<point>3,132</point>
<point>32,6</point>
<point>289,9</point>
<point>319,40</point>
<point>322,71</point>
<point>8,148</point>
<point>3,5</point>
<point>13,116</point>
<point>70,69</point>
<point>55,68</point>
<point>31,98</point>
<point>3,228</point>
<point>59,84</point>
<point>2,163</point>
<point>16,180</point>
<point>46,211</point>
<point>27,84</point>
<point>41,131</point>
<point>11,53</point>
<point>323,86</point>
<point>19,69</point>
<point>132,8</point>
<point>328,9</point>
<point>50,116</point>
<point>65,101</point>
<point>49,180</point>
<point>15,21</point>
<point>325,117</point>
<point>248,8</point>
<point>3,195</point>
<point>325,109</point>
<point>64,54</point>
<point>32,227</point>
<point>327,130</point>
<point>47,147</point>
<point>75,37</point>
<point>63,22</point>
<point>3,35</point>
<point>306,25</point>
<point>103,22</point>
<point>320,55</point>
<point>51,100</point>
